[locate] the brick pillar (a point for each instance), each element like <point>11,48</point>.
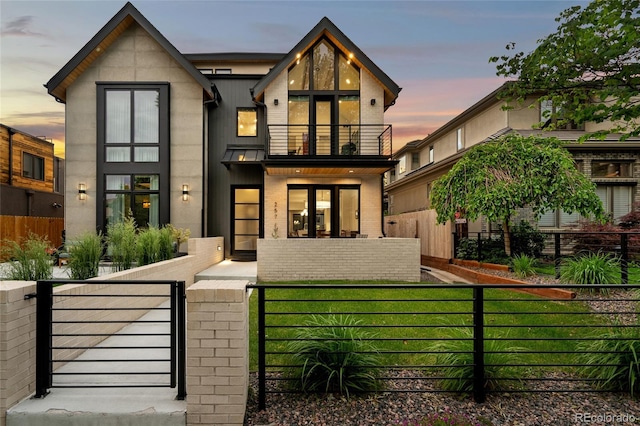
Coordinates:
<point>217,352</point>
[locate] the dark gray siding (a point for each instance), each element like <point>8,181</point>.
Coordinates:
<point>222,133</point>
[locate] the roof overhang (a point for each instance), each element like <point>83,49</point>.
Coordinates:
<point>100,43</point>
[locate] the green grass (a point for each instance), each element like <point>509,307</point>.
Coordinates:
<point>454,309</point>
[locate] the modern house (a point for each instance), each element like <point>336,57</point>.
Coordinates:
<point>240,145</point>
<point>31,187</point>
<point>613,165</point>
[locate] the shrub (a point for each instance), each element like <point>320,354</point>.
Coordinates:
<point>180,235</point>
<point>29,261</point>
<point>456,354</point>
<point>121,240</point>
<point>525,239</point>
<point>591,268</point>
<point>523,265</point>
<point>148,246</point>
<point>165,244</point>
<point>467,249</point>
<point>84,256</point>
<point>333,356</point>
<point>613,360</point>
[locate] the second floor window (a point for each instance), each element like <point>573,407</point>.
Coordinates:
<point>611,169</point>
<point>459,139</point>
<point>431,154</point>
<point>132,125</point>
<point>247,122</point>
<point>32,166</point>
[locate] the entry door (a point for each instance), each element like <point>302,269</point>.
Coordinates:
<point>246,222</point>
<point>323,113</point>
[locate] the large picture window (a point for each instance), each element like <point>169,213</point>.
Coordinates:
<point>323,211</point>
<point>133,153</point>
<point>247,122</point>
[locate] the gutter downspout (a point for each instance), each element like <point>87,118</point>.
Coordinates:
<point>264,130</point>
<point>382,206</point>
<point>11,133</point>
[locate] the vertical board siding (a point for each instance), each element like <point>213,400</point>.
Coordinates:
<point>435,240</point>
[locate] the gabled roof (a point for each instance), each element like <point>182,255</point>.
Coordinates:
<point>121,21</point>
<point>326,28</point>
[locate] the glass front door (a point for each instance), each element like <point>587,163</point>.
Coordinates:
<point>323,113</point>
<point>246,222</point>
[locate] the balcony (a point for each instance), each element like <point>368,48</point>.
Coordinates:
<point>330,141</point>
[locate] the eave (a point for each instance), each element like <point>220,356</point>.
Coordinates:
<point>313,167</point>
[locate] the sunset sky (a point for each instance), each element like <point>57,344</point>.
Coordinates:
<point>437,51</point>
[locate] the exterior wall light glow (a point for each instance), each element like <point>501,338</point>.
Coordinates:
<point>185,192</point>
<point>82,191</point>
<point>275,102</point>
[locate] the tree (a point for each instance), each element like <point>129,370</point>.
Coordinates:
<point>589,68</point>
<point>497,177</point>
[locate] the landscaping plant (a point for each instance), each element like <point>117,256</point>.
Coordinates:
<point>527,240</point>
<point>29,261</point>
<point>613,360</point>
<point>165,244</point>
<point>121,241</point>
<point>456,354</point>
<point>592,268</point>
<point>523,265</point>
<point>333,355</point>
<point>148,247</point>
<point>84,256</point>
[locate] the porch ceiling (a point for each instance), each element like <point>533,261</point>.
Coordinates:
<point>317,171</point>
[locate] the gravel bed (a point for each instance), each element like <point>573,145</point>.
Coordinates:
<point>392,409</point>
<point>506,408</point>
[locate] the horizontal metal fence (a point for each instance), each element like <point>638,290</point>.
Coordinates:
<point>501,335</point>
<point>112,334</point>
<point>624,246</point>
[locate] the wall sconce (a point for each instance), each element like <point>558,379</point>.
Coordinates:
<point>373,101</point>
<point>82,191</point>
<point>219,248</point>
<point>275,102</point>
<point>185,192</point>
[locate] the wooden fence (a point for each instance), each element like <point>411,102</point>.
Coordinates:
<point>435,240</point>
<point>16,228</point>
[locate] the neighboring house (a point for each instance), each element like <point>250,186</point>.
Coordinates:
<point>31,186</point>
<point>240,145</point>
<point>611,164</point>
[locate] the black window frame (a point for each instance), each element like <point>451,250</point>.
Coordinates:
<point>36,163</point>
<point>335,207</point>
<point>160,168</point>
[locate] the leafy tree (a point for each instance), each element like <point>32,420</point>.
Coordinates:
<point>588,68</point>
<point>497,177</point>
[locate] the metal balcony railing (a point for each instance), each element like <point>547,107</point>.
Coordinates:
<point>330,140</point>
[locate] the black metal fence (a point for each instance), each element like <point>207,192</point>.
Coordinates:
<point>119,334</point>
<point>515,340</point>
<point>625,246</point>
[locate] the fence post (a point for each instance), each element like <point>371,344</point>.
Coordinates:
<point>480,246</point>
<point>456,242</point>
<point>479,394</point>
<point>44,342</point>
<point>556,256</point>
<point>262,377</point>
<point>624,261</point>
<point>181,297</point>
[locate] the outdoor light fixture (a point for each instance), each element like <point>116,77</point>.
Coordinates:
<point>275,102</point>
<point>82,191</point>
<point>373,101</point>
<point>219,248</point>
<point>185,192</point>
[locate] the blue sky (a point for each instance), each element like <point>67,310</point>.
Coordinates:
<point>437,51</point>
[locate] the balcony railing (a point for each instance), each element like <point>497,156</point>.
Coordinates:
<point>330,140</point>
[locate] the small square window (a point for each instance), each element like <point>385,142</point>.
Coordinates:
<point>32,166</point>
<point>223,70</point>
<point>247,122</point>
<point>431,154</point>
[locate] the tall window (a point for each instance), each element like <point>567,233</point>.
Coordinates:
<point>133,153</point>
<point>459,139</point>
<point>322,211</point>
<point>32,166</point>
<point>324,103</point>
<point>431,154</point>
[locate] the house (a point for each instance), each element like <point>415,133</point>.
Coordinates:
<point>31,187</point>
<point>613,165</point>
<point>240,145</point>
